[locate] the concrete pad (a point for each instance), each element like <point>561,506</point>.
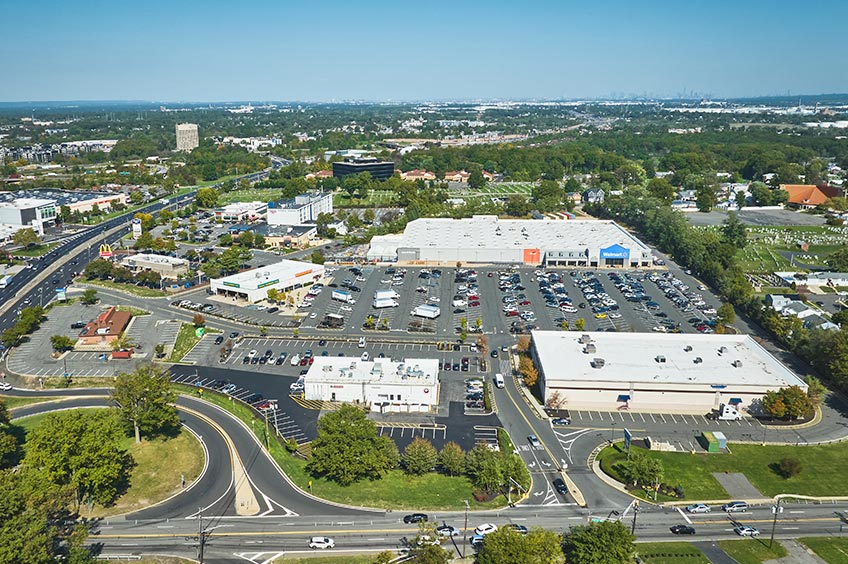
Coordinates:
<point>737,485</point>
<point>798,554</point>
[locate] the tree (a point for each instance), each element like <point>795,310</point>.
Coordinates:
<point>484,468</point>
<point>246,239</point>
<point>838,260</point>
<point>198,320</point>
<point>642,470</point>
<point>661,189</point>
<point>579,323</point>
<point>741,199</point>
<point>788,403</point>
<point>61,343</point>
<point>206,198</point>
<point>368,216</point>
<point>452,459</point>
<point>726,314</point>
<point>734,231</point>
<point>476,179</point>
<point>522,344</point>
<point>429,554</point>
<point>81,449</point>
<point>144,242</point>
<point>26,237</point>
<point>761,194</point>
<point>517,205</point>
<point>123,342</point>
<point>145,401</point>
<point>528,370</point>
<point>506,546</point>
<point>347,448</point>
<point>607,542</point>
<point>815,389</point>
<point>840,318</point>
<point>419,456</point>
<point>9,447</point>
<point>789,467</point>
<point>273,295</point>
<point>317,257</point>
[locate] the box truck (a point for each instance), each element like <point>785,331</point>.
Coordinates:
<point>343,296</point>
<point>380,303</point>
<point>429,311</point>
<point>386,295</point>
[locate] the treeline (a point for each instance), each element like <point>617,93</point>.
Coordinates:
<point>712,256</point>
<point>210,161</point>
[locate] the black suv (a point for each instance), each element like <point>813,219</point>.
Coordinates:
<point>415,518</point>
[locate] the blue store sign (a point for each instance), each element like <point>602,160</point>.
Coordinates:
<point>615,252</point>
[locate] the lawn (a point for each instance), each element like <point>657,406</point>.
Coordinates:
<point>141,291</point>
<point>186,339</point>
<point>35,251</point>
<point>352,559</point>
<point>12,402</point>
<point>761,254</point>
<point>435,492</point>
<point>133,310</point>
<point>752,551</point>
<point>670,553</point>
<point>833,550</point>
<point>827,477</point>
<point>250,195</point>
<point>375,198</point>
<point>159,464</point>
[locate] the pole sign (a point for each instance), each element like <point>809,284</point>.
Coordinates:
<point>136,228</point>
<point>627,439</point>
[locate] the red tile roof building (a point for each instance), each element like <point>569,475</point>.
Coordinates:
<point>106,328</point>
<point>808,195</point>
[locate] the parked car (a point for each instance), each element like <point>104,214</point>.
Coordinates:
<point>561,421</point>
<point>447,531</point>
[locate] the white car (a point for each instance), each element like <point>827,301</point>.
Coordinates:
<point>615,316</point>
<point>252,353</point>
<point>313,315</point>
<point>698,508</point>
<point>322,542</point>
<point>345,308</point>
<point>5,386</point>
<point>485,529</point>
<point>447,531</point>
<point>746,531</point>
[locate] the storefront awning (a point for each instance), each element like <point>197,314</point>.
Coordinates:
<point>624,397</point>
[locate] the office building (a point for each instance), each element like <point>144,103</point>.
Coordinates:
<point>187,138</point>
<point>304,208</point>
<point>167,267</point>
<point>241,211</point>
<point>380,170</point>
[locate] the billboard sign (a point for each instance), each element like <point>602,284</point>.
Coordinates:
<point>61,294</point>
<point>136,228</point>
<point>615,252</point>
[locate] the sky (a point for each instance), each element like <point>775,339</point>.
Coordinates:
<point>406,50</point>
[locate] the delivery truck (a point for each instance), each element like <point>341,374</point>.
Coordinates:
<point>380,303</point>
<point>343,296</point>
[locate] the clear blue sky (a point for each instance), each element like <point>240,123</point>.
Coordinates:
<point>323,50</point>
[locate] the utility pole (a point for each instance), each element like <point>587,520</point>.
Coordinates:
<point>776,509</point>
<point>465,530</point>
<point>201,537</point>
<point>633,526</point>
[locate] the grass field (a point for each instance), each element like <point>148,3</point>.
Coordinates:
<point>352,559</point>
<point>141,291</point>
<point>693,472</point>
<point>35,251</point>
<point>435,492</point>
<point>833,550</point>
<point>752,551</point>
<point>12,402</point>
<point>186,339</point>
<point>250,195</point>
<point>159,465</point>
<point>670,553</point>
<point>375,198</point>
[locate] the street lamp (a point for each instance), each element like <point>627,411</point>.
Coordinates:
<point>612,432</point>
<point>465,530</point>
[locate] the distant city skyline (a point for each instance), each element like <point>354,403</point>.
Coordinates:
<point>383,51</point>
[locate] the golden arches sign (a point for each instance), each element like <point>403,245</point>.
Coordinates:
<point>105,251</point>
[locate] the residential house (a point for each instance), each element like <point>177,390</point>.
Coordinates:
<point>418,175</point>
<point>593,195</point>
<point>818,322</point>
<point>319,175</point>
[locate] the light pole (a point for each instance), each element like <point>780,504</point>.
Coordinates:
<point>465,530</point>
<point>776,509</point>
<point>612,432</point>
<point>635,512</point>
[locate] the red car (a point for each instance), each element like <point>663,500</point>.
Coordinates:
<point>473,304</point>
<point>303,361</point>
<point>511,313</point>
<point>524,302</point>
<point>311,360</point>
<point>473,297</point>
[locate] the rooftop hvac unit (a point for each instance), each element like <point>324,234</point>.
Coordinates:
<point>660,358</point>
<point>688,348</point>
<point>598,362</point>
<point>590,348</point>
<point>722,350</point>
<point>585,339</point>
<point>737,364</point>
<point>698,360</point>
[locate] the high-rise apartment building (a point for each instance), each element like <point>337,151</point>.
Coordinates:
<point>187,138</point>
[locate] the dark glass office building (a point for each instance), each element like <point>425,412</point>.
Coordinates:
<point>380,170</point>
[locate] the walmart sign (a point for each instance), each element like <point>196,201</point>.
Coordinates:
<point>615,252</point>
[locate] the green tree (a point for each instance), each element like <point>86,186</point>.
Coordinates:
<point>788,403</point>
<point>607,542</point>
<point>484,468</point>
<point>726,314</point>
<point>136,197</point>
<point>144,242</point>
<point>476,180</point>
<point>579,323</point>
<point>452,459</point>
<point>815,389</point>
<point>661,189</point>
<point>273,295</point>
<point>81,449</point>
<point>789,467</point>
<point>734,231</point>
<point>506,546</point>
<point>9,447</point>
<point>368,216</point>
<point>741,199</point>
<point>429,554</point>
<point>26,237</point>
<point>61,343</point>
<point>145,401</point>
<point>642,470</point>
<point>206,198</point>
<point>317,257</point>
<point>838,260</point>
<point>347,448</point>
<point>246,239</point>
<point>419,456</point>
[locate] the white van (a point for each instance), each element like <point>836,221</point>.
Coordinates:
<point>499,381</point>
<point>364,357</point>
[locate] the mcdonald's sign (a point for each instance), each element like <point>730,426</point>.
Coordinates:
<point>105,251</point>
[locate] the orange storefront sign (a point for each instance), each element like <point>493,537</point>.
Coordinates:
<point>532,256</point>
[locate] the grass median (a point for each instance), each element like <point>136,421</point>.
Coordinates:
<point>11,402</point>
<point>752,551</point>
<point>833,550</point>
<point>159,466</point>
<point>186,340</point>
<point>140,291</point>
<point>823,472</point>
<point>396,490</point>
<point>670,553</point>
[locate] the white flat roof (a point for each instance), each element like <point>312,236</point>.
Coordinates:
<point>632,357</point>
<point>238,207</point>
<point>26,203</point>
<point>350,369</point>
<point>489,231</point>
<point>158,259</point>
<point>266,275</point>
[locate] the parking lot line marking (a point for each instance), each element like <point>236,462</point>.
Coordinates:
<point>661,417</point>
<point>672,418</point>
